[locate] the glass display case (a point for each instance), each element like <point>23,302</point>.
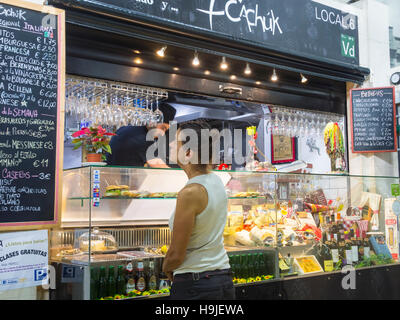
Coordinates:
<point>114,229</point>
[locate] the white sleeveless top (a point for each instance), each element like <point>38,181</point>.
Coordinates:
<point>205,250</point>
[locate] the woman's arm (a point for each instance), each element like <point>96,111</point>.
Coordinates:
<point>191,201</point>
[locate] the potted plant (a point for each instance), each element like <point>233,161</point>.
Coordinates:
<point>95,140</point>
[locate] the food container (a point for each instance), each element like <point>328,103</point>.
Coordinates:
<point>307,265</point>
<point>100,242</point>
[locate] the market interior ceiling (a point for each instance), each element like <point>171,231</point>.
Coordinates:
<point>94,52</point>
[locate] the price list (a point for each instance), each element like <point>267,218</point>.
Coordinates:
<point>28,114</point>
<point>373,120</point>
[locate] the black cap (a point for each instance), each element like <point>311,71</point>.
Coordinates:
<point>168,111</point>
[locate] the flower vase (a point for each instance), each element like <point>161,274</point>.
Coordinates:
<point>93,157</point>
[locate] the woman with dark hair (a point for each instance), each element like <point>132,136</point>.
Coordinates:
<point>196,261</point>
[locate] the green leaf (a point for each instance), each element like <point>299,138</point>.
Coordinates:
<point>107,148</point>
<point>77,145</point>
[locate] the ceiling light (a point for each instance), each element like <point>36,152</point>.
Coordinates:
<point>224,65</point>
<point>274,76</point>
<point>138,61</point>
<point>161,52</point>
<point>176,69</point>
<point>233,77</point>
<point>258,82</point>
<point>303,78</point>
<point>247,70</point>
<point>196,61</point>
<point>207,72</point>
<point>136,51</point>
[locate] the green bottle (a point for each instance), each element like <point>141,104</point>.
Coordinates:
<point>244,266</point>
<point>256,262</point>
<point>261,265</point>
<point>250,262</point>
<point>94,284</point>
<point>102,283</point>
<point>121,281</point>
<point>111,283</point>
<point>236,266</point>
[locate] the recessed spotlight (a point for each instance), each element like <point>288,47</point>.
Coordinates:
<point>274,76</point>
<point>247,70</point>
<point>196,61</point>
<point>224,65</point>
<point>233,77</point>
<point>258,82</point>
<point>136,51</point>
<point>303,78</point>
<point>176,69</point>
<point>207,72</point>
<point>161,52</point>
<point>138,61</point>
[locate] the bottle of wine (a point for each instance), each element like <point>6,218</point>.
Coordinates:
<point>342,252</point>
<point>327,256</point>
<point>334,252</point>
<point>367,248</point>
<point>360,249</point>
<point>349,258</point>
<point>354,250</point>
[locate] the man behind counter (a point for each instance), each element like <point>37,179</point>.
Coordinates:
<point>129,146</point>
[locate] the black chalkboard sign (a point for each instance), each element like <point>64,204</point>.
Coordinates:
<point>299,27</point>
<point>31,67</point>
<point>373,120</point>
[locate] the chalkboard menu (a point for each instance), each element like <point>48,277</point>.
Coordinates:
<point>31,63</point>
<point>373,120</point>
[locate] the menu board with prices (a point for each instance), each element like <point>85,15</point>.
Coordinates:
<point>373,120</point>
<point>31,122</point>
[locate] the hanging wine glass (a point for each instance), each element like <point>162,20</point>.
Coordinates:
<point>158,113</point>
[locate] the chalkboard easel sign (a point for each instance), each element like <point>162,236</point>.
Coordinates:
<point>373,120</point>
<point>32,93</point>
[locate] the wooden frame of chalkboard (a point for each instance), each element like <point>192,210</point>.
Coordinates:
<point>376,150</point>
<point>17,9</point>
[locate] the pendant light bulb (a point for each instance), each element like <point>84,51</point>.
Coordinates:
<point>274,76</point>
<point>303,78</point>
<point>161,52</point>
<point>224,65</point>
<point>247,70</point>
<point>196,61</point>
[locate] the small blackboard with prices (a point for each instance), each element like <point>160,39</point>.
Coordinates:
<point>373,120</point>
<point>32,67</point>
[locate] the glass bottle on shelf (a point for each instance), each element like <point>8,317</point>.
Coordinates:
<point>244,266</point>
<point>111,282</point>
<point>130,283</point>
<point>140,277</point>
<point>334,252</point>
<point>349,251</point>
<point>354,250</point>
<point>102,282</point>
<point>367,248</point>
<point>327,256</point>
<point>120,280</point>
<point>256,265</point>
<point>152,279</point>
<point>94,283</point>
<point>261,264</point>
<point>250,265</point>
